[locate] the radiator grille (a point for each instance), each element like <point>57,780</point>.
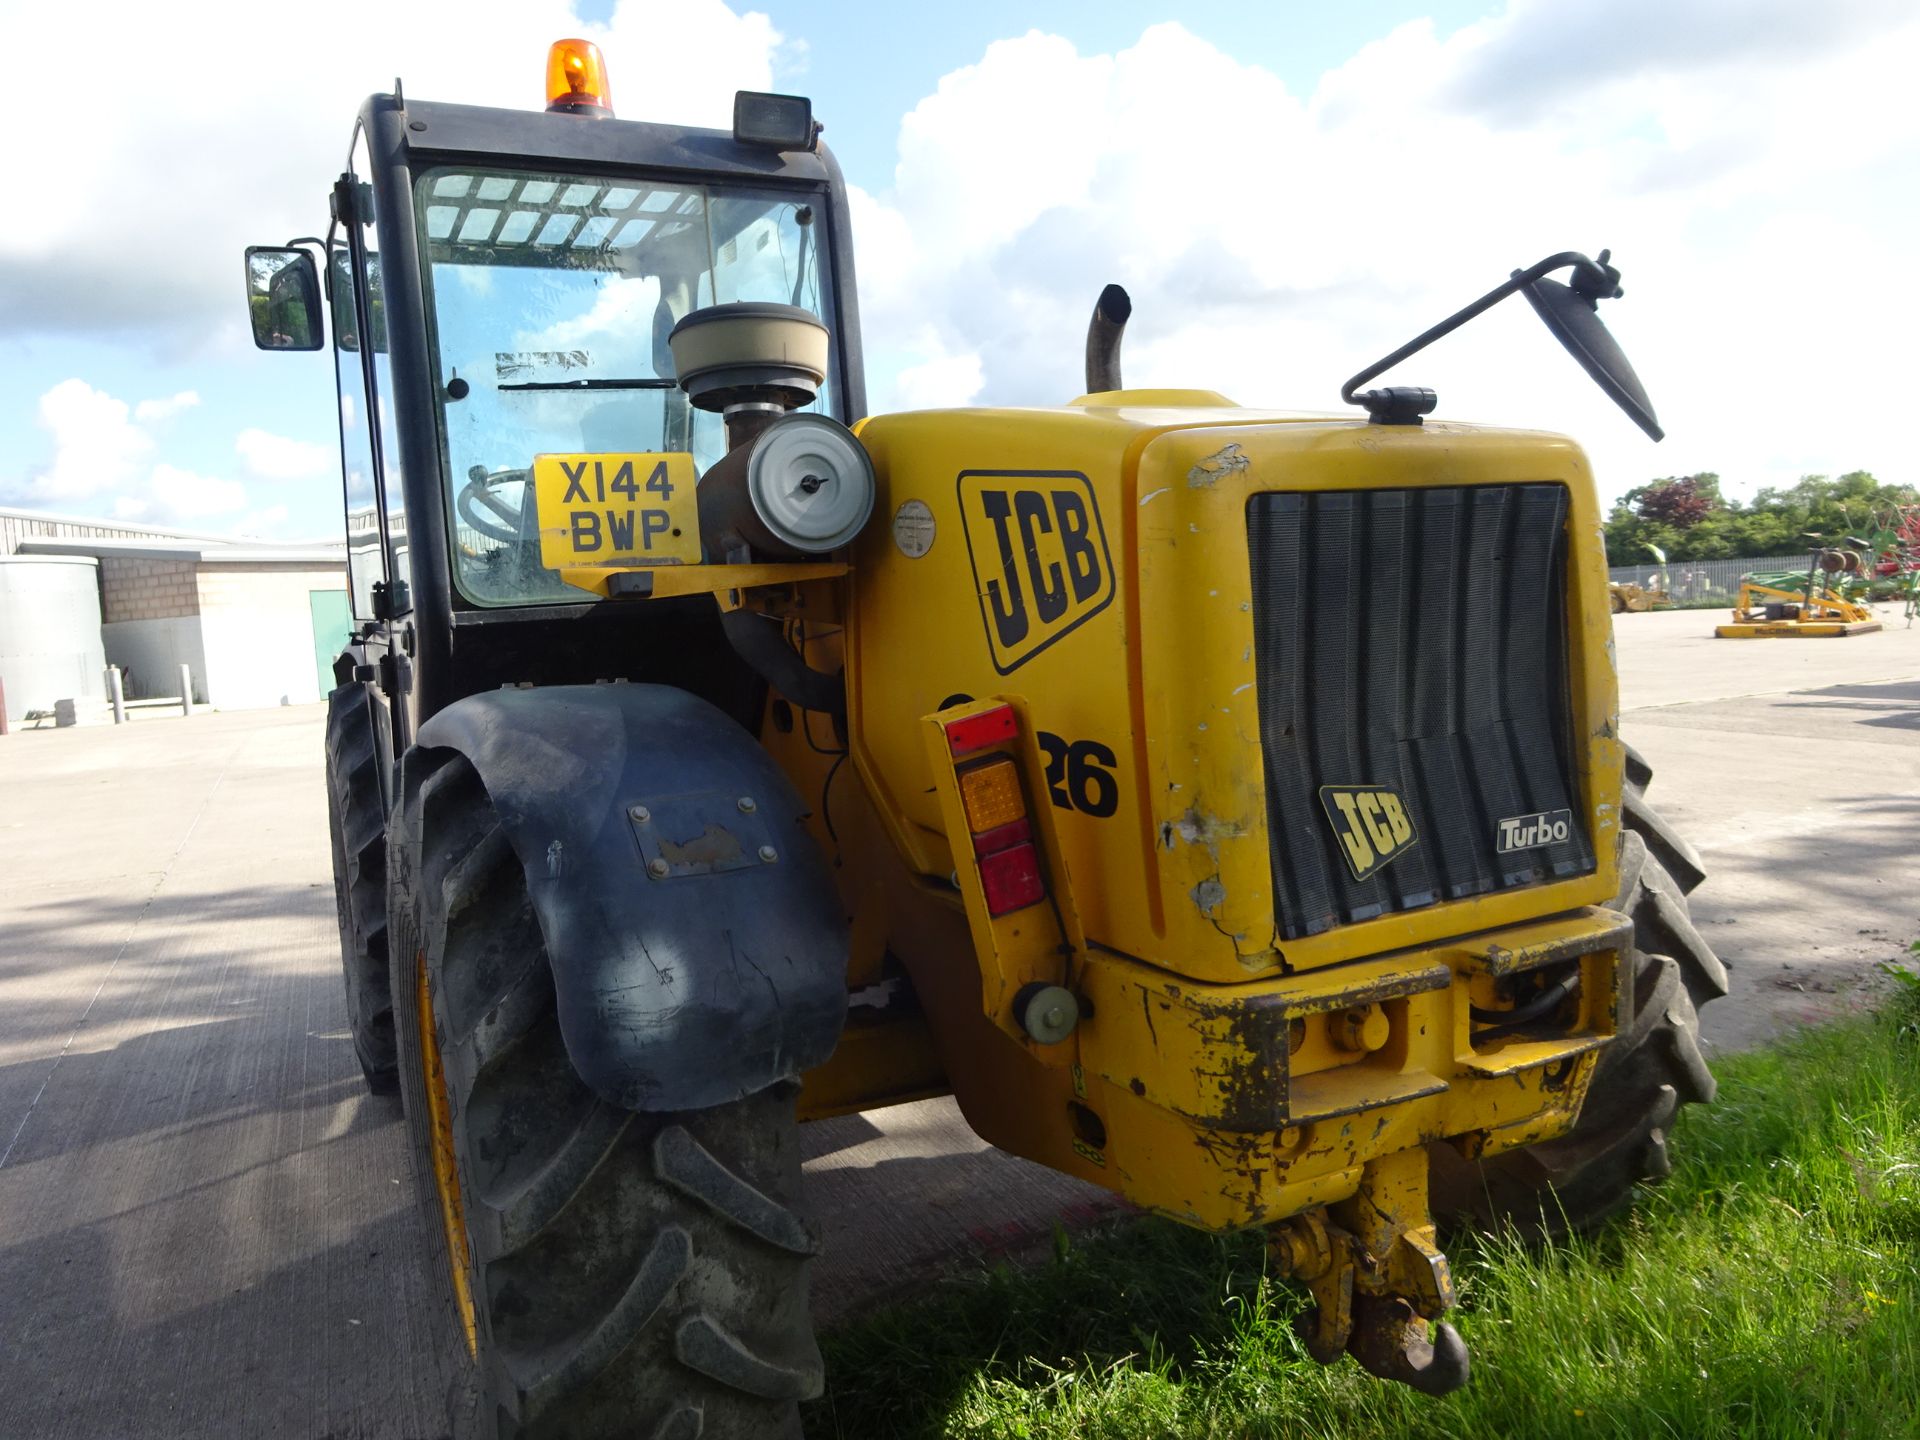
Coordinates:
<point>1413,641</point>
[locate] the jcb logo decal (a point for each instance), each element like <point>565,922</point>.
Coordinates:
<point>1371,824</point>
<point>1039,553</point>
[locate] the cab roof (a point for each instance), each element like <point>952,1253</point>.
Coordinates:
<point>483,131</point>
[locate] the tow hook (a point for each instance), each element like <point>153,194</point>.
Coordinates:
<point>1379,1282</point>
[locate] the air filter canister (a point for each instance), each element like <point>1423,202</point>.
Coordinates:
<point>802,486</point>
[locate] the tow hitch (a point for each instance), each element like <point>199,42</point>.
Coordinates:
<point>1379,1282</point>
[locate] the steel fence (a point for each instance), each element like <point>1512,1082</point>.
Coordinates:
<point>1708,579</point>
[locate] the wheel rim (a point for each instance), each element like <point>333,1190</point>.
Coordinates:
<point>446,1169</point>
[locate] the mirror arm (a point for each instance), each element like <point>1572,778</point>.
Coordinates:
<point>1589,279</point>
<point>320,264</point>
<point>326,261</point>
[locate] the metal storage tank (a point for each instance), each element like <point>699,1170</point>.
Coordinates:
<point>50,632</point>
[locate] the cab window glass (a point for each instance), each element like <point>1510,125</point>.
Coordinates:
<point>382,398</point>
<point>551,297</point>
<point>365,561</point>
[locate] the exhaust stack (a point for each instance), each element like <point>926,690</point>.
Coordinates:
<point>1109,323</point>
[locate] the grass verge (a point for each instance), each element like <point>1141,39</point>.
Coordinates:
<point>1770,1288</point>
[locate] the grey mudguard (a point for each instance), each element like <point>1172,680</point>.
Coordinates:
<point>698,944</point>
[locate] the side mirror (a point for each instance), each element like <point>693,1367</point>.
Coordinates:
<point>346,319</point>
<point>1571,312</point>
<point>283,299</point>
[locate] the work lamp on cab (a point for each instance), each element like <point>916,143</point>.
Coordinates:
<point>577,80</point>
<point>775,122</point>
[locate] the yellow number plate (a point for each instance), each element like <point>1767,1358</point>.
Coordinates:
<point>616,510</point>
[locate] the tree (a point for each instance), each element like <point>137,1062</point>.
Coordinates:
<point>1688,517</point>
<point>1681,503</point>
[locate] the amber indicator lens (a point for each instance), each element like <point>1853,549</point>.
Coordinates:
<point>991,795</point>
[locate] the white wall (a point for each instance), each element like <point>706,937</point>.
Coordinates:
<point>256,624</point>
<point>152,652</point>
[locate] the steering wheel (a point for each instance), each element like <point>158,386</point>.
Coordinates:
<point>477,496</point>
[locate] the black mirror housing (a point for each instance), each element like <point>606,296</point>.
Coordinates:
<point>283,299</point>
<point>1571,313</point>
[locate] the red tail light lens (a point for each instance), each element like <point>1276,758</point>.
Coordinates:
<point>1011,879</point>
<point>1002,838</point>
<point>976,732</point>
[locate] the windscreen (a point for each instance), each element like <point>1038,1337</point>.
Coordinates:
<point>550,297</point>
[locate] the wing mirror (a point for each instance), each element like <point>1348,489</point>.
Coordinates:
<point>283,299</point>
<point>1571,312</point>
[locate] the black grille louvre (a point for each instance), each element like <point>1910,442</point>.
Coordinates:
<point>1412,639</point>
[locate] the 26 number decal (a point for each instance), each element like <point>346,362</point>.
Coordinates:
<point>1080,775</point>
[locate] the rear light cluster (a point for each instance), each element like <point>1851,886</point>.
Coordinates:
<point>996,807</point>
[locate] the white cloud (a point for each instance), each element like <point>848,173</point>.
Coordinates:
<point>275,457</point>
<point>237,146</point>
<point>932,384</point>
<point>97,448</point>
<point>151,411</point>
<point>103,461</point>
<point>181,495</point>
<point>1757,189</point>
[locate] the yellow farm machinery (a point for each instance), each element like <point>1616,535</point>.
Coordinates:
<point>1813,610</point>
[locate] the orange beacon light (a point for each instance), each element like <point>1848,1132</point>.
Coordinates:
<point>577,79</point>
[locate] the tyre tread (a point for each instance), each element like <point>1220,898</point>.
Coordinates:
<point>635,1274</point>
<point>1652,1067</point>
<point>357,811</point>
<point>686,1165</point>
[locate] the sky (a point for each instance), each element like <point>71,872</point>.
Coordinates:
<point>1287,190</point>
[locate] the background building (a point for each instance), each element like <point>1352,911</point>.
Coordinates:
<point>255,623</point>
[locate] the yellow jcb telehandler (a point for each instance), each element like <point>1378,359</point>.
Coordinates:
<point>1225,805</point>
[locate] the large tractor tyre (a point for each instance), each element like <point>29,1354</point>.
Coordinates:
<point>1652,1068</point>
<point>604,1272</point>
<point>359,756</point>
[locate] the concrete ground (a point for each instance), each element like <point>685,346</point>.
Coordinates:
<point>1793,766</point>
<point>202,1230</point>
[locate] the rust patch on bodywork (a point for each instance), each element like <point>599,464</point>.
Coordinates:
<point>1250,1041</point>
<point>1499,960</point>
<point>711,849</point>
<point>1222,464</point>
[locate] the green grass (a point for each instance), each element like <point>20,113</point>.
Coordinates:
<point>1770,1288</point>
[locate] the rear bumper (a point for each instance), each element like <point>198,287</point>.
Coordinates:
<point>1246,1101</point>
<point>1233,1105</point>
